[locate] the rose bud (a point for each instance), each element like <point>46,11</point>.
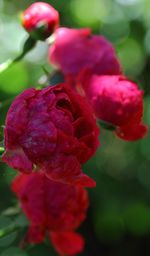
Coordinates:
<point>40,20</point>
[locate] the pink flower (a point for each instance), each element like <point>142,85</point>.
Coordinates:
<point>53,208</point>
<point>75,50</point>
<point>40,19</point>
<point>117,101</point>
<point>53,129</point>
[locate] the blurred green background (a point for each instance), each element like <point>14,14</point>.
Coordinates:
<point>118,222</point>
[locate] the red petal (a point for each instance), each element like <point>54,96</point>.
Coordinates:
<point>68,242</point>
<point>133,132</point>
<point>84,180</point>
<point>18,160</point>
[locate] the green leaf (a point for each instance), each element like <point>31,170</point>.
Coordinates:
<point>11,211</point>
<point>6,223</point>
<point>21,221</point>
<point>13,251</point>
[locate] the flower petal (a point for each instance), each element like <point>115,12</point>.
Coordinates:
<point>17,159</point>
<point>133,132</point>
<point>67,242</point>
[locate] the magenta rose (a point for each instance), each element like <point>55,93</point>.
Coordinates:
<point>117,101</point>
<point>75,50</point>
<point>53,129</point>
<point>52,208</point>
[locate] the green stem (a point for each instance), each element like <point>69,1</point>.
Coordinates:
<point>5,65</point>
<point>28,45</point>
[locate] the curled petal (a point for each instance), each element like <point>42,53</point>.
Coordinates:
<point>69,172</point>
<point>67,243</point>
<point>17,159</point>
<point>18,183</point>
<point>84,180</point>
<point>133,132</point>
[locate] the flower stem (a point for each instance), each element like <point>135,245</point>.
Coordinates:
<point>5,65</point>
<point>28,45</point>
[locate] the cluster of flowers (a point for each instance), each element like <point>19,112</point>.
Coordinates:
<point>51,132</point>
